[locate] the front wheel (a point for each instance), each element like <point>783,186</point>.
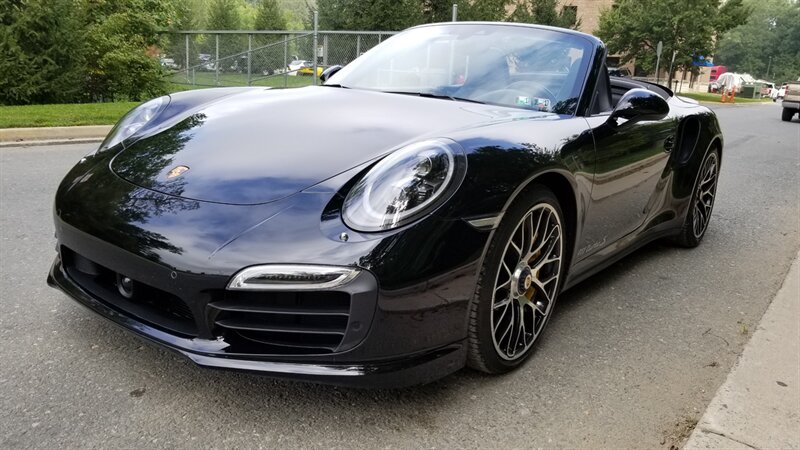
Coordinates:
<point>519,282</point>
<point>787,114</point>
<point>702,202</point>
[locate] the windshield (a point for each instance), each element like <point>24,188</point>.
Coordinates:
<point>515,66</point>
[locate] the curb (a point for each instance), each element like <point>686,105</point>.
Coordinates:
<point>758,405</point>
<point>53,135</point>
<point>49,142</point>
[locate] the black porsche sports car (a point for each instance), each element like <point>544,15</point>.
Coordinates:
<point>450,183</point>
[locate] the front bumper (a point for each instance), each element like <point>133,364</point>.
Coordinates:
<point>419,368</point>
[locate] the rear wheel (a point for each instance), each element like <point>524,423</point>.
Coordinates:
<point>519,283</point>
<point>787,114</point>
<point>702,203</point>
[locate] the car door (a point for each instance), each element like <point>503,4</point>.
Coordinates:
<point>631,160</point>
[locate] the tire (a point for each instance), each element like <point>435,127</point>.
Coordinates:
<point>787,114</point>
<point>701,206</point>
<point>524,303</point>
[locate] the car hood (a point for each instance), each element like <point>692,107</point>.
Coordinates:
<point>263,145</point>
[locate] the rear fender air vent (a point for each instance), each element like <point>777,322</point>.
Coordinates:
<point>688,135</point>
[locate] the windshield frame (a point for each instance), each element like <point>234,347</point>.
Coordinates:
<point>590,61</point>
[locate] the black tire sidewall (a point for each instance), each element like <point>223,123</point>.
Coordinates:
<point>687,237</point>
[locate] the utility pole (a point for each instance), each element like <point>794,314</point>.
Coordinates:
<point>769,65</point>
<point>671,63</point>
<point>659,48</point>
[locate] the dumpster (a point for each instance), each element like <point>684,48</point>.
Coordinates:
<point>751,90</point>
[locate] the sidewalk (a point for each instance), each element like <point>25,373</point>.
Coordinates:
<point>758,406</point>
<point>13,137</point>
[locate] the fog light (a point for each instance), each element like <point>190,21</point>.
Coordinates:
<point>125,286</point>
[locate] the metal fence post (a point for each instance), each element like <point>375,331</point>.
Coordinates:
<point>455,12</point>
<point>187,57</point>
<point>285,60</point>
<point>316,30</point>
<point>324,50</point>
<point>249,55</point>
<point>358,45</point>
<point>216,62</point>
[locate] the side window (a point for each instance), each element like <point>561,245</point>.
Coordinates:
<point>601,101</point>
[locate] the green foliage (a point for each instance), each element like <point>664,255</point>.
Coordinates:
<point>437,10</point>
<point>269,16</point>
<point>687,27</point>
<point>123,38</point>
<point>224,15</point>
<point>40,58</point>
<point>486,10</point>
<point>377,15</point>
<point>81,50</point>
<point>769,40</point>
<point>544,12</point>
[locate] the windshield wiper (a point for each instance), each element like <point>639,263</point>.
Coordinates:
<point>440,96</point>
<point>335,85</point>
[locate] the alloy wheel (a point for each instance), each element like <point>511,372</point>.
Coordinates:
<point>704,196</point>
<point>527,282</point>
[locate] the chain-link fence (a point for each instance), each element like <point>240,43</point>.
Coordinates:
<point>260,58</point>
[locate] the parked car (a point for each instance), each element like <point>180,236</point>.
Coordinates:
<point>205,62</point>
<point>168,63</point>
<point>304,68</point>
<point>780,93</point>
<point>791,100</point>
<point>619,72</point>
<point>420,227</point>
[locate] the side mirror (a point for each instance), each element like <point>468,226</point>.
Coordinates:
<point>640,104</point>
<point>327,73</point>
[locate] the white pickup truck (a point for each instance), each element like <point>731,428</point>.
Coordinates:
<point>791,101</point>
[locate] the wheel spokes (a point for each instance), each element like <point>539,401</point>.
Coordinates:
<point>706,191</point>
<point>534,250</point>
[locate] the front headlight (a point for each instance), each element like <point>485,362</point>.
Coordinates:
<point>405,186</point>
<point>134,121</point>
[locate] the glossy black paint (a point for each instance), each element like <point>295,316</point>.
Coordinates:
<point>640,104</point>
<point>266,183</point>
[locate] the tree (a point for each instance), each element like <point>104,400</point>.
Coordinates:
<point>188,16</point>
<point>689,28</point>
<point>224,15</point>
<point>266,58</point>
<point>372,15</point>
<point>122,40</point>
<point>41,59</point>
<point>488,10</point>
<point>545,12</point>
<point>437,10</point>
<point>768,44</point>
<point>269,16</point>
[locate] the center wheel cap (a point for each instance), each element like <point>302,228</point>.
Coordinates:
<point>522,282</point>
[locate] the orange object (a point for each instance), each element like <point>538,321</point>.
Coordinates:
<point>728,96</point>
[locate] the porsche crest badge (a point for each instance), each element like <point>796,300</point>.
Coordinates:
<point>177,171</point>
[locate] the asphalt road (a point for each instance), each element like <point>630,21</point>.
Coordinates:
<point>631,358</point>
